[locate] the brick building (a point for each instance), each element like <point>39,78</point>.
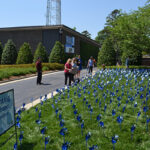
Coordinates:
<point>48,35</point>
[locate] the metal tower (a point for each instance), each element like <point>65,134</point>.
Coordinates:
<point>53,14</point>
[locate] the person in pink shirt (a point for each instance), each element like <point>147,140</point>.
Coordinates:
<point>67,70</point>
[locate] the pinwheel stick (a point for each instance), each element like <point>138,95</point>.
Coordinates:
<point>114,146</point>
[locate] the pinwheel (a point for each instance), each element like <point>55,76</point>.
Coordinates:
<point>62,132</point>
<point>47,139</point>
<point>82,126</point>
<point>114,140</point>
<point>15,146</point>
<point>87,137</point>
<point>21,137</point>
<point>120,120</point>
<point>132,130</point>
<point>43,130</point>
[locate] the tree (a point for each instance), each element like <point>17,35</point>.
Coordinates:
<point>57,54</point>
<point>74,28</point>
<point>25,55</point>
<point>86,33</point>
<point>102,35</point>
<point>107,54</point>
<point>9,54</point>
<point>1,51</point>
<point>40,52</point>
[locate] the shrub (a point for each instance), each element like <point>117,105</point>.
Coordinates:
<point>107,54</point>
<point>1,50</point>
<point>9,54</point>
<point>25,56</point>
<point>40,52</point>
<point>57,54</point>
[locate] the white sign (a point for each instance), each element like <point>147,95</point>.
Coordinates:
<point>7,111</point>
<point>69,49</point>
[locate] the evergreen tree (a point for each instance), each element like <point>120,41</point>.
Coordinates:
<point>57,54</point>
<point>40,52</point>
<point>1,51</point>
<point>107,54</point>
<point>9,54</point>
<point>25,55</point>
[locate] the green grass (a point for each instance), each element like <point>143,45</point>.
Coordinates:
<point>102,137</point>
<point>7,71</point>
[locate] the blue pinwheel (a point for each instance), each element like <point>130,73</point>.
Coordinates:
<point>65,146</point>
<point>18,119</point>
<point>82,126</point>
<point>99,117</point>
<point>87,137</point>
<point>19,112</point>
<point>47,139</point>
<point>60,116</point>
<point>38,122</point>
<point>62,132</point>
<point>21,137</point>
<point>113,112</point>
<point>18,125</point>
<point>73,106</point>
<point>40,114</point>
<point>75,112</point>
<point>105,107</point>
<point>94,147</point>
<point>114,140</point>
<point>53,106</point>
<point>138,115</point>
<point>147,122</point>
<point>23,106</point>
<point>91,111</point>
<point>56,111</point>
<point>132,130</point>
<point>124,107</point>
<point>36,109</point>
<point>120,120</point>
<point>43,130</point>
<point>62,123</point>
<point>15,146</point>
<point>79,118</point>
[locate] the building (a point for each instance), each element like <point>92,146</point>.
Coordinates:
<point>73,41</point>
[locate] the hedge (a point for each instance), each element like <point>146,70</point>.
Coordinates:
<point>87,50</point>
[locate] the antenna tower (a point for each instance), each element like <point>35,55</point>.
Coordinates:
<point>53,14</point>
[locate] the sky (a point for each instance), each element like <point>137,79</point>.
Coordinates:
<point>87,15</point>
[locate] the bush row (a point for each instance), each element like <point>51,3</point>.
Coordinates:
<point>9,54</point>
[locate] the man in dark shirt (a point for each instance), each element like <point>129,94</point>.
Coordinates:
<point>39,70</point>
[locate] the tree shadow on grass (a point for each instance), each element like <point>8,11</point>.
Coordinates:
<point>26,146</point>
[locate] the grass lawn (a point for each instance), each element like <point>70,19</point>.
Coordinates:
<point>99,101</point>
<point>7,71</point>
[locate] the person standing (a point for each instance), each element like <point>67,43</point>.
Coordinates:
<point>90,64</point>
<point>39,70</point>
<point>67,71</point>
<point>74,69</point>
<point>79,64</point>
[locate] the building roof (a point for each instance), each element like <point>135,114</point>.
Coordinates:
<point>63,27</point>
